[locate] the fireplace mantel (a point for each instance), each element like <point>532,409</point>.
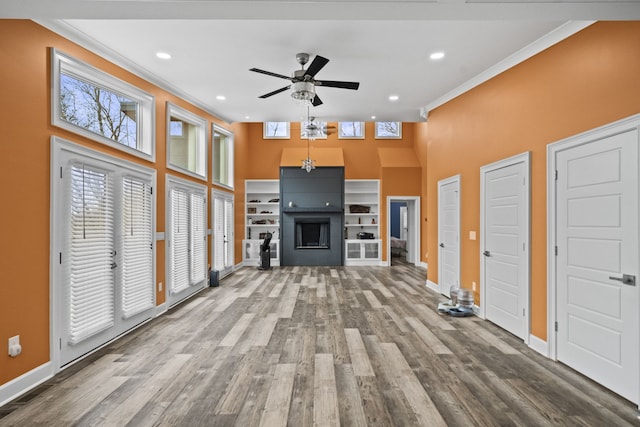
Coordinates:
<point>311,209</point>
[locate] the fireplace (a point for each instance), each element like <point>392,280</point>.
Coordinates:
<point>312,233</point>
<point>312,216</point>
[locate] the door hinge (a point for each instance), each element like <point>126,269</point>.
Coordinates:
<point>556,326</point>
<point>60,172</point>
<point>60,258</point>
<point>556,250</point>
<point>60,343</point>
<point>151,190</point>
<point>523,312</point>
<point>556,174</point>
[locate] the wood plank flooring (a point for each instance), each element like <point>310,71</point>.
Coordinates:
<point>318,346</point>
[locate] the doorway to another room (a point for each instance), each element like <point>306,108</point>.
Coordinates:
<point>403,230</point>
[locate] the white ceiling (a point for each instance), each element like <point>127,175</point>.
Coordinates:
<point>385,45</point>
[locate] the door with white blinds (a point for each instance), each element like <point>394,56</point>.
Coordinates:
<point>103,255</point>
<point>186,239</point>
<point>222,240</point>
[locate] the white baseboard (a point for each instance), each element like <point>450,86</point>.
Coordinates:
<point>423,265</point>
<point>538,345</point>
<point>25,382</point>
<point>433,286</point>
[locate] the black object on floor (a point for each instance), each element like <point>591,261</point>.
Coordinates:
<point>265,253</point>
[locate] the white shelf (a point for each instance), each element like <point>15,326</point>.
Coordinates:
<point>365,192</point>
<point>258,193</point>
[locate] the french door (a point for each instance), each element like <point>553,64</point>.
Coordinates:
<point>103,255</point>
<point>186,238</point>
<point>223,225</point>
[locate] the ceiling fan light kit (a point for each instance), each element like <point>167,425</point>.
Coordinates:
<point>303,83</point>
<point>303,90</point>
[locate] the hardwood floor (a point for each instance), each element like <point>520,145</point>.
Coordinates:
<point>304,346</point>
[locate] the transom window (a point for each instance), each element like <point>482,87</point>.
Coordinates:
<point>186,142</point>
<point>388,130</point>
<point>351,130</point>
<point>276,130</point>
<point>222,156</point>
<point>98,106</point>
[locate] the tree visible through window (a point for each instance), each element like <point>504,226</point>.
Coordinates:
<point>351,130</point>
<point>276,130</point>
<point>389,130</point>
<point>98,110</point>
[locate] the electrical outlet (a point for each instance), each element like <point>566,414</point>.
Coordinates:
<point>473,286</point>
<point>159,286</point>
<point>14,346</point>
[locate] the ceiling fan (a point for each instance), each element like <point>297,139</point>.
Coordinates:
<point>303,82</point>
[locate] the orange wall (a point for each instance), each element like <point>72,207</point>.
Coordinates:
<point>583,82</point>
<point>24,150</point>
<point>363,159</point>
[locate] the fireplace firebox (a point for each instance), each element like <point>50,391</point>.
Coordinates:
<point>312,233</point>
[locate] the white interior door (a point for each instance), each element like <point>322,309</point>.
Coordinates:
<point>504,234</point>
<point>448,234</point>
<point>597,261</point>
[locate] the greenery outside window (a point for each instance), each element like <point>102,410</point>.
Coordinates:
<point>388,130</point>
<point>186,142</point>
<point>96,105</point>
<point>276,130</point>
<point>351,130</point>
<point>222,142</point>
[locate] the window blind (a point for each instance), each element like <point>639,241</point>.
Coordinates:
<point>91,253</point>
<point>228,225</point>
<point>218,235</point>
<point>198,238</point>
<point>179,240</point>
<point>137,250</point>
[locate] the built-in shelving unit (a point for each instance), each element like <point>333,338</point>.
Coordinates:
<point>262,215</point>
<point>366,194</point>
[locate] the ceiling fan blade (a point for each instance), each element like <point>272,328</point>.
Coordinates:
<point>341,85</point>
<point>275,92</point>
<point>269,73</point>
<point>316,65</point>
<point>316,101</point>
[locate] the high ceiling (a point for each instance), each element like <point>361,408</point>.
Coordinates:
<point>384,45</point>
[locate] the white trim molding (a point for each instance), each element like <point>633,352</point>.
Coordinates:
<point>539,345</point>
<point>25,382</point>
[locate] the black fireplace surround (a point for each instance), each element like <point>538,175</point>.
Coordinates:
<point>312,216</point>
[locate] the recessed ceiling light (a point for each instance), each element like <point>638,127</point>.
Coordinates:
<point>437,55</point>
<point>163,55</point>
<point>373,117</point>
<point>247,117</point>
<point>393,98</point>
<point>221,97</point>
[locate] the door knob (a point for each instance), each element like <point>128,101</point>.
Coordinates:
<point>442,245</point>
<point>626,279</point>
<point>486,253</point>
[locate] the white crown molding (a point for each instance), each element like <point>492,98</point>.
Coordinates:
<point>557,35</point>
<point>67,31</point>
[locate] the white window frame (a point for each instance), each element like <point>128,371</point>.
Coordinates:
<point>341,135</point>
<point>230,156</point>
<point>398,136</point>
<point>145,138</point>
<point>191,188</point>
<point>322,130</point>
<point>59,148</point>
<point>265,134</point>
<point>201,143</point>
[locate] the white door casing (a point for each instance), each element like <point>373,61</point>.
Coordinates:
<point>412,227</point>
<point>595,235</point>
<point>223,237</point>
<point>504,244</point>
<point>448,234</point>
